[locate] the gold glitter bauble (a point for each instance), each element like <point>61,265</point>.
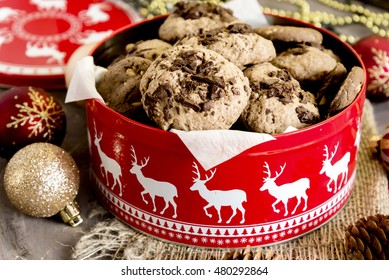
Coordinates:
<point>41,179</point>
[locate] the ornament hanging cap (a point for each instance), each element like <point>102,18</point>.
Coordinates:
<point>71,214</point>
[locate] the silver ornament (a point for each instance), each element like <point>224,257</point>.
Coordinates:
<point>42,180</point>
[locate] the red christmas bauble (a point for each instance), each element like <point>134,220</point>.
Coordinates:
<point>29,115</point>
<point>374,52</point>
<point>384,148</point>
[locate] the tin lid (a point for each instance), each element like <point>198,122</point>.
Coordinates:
<point>37,37</point>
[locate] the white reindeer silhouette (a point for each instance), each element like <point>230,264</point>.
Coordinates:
<point>7,14</point>
<point>153,187</point>
<point>108,165</point>
<point>44,49</point>
<point>334,170</point>
<point>218,198</point>
<point>95,13</point>
<point>286,191</point>
<point>44,5</point>
<point>5,36</point>
<point>357,141</point>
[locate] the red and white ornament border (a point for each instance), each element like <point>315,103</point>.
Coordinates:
<point>211,236</point>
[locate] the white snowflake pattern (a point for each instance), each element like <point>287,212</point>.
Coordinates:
<point>131,219</point>
<point>310,224</point>
<point>379,73</point>
<point>267,237</point>
<point>315,222</point>
<point>41,117</point>
<point>171,234</point>
<point>325,216</point>
<point>304,226</point>
<point>274,236</point>
<point>195,240</point>
<point>143,225</point>
<point>137,222</point>
<point>228,241</point>
<point>235,241</point>
<point>258,239</point>
<point>243,240</point>
<point>251,240</point>
<point>156,230</point>
<point>204,239</point>
<point>187,237</point>
<point>220,242</point>
<point>296,231</point>
<point>179,235</point>
<point>212,240</point>
<point>282,233</point>
<point>163,232</point>
<point>321,218</point>
<point>290,231</point>
<point>150,228</point>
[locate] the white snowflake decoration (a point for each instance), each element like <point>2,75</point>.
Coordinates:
<point>379,73</point>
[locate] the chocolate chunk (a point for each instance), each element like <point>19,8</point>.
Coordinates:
<point>193,10</point>
<point>241,28</point>
<point>205,79</point>
<point>305,116</point>
<point>188,103</point>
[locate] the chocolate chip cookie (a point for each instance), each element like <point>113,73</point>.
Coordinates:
<point>348,91</point>
<point>149,49</point>
<point>237,42</point>
<point>277,101</point>
<point>119,86</point>
<point>306,64</point>
<point>190,17</point>
<point>290,34</point>
<point>191,88</point>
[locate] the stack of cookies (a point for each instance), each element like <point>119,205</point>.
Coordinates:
<point>209,70</point>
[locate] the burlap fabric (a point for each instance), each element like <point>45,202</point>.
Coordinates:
<point>111,239</point>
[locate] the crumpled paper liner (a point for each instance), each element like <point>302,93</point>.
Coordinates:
<point>112,239</point>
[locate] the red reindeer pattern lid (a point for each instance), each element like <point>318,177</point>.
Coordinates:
<point>37,37</point>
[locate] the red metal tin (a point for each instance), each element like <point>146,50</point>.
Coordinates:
<point>37,37</point>
<point>270,193</point>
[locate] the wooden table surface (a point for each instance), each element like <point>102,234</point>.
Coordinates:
<point>25,237</point>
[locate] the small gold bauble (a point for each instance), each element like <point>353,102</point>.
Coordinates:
<point>41,179</point>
